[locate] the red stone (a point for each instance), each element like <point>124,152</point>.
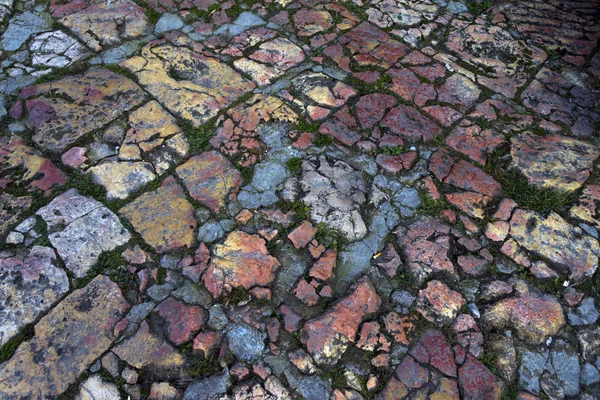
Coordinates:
<point>323,267</point>
<point>306,293</point>
<point>410,124</point>
<point>208,343</point>
<point>411,374</point>
<point>477,382</point>
<point>181,320</point>
<point>303,234</point>
<point>372,107</point>
<point>291,320</point>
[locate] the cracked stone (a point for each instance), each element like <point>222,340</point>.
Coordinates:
<point>82,229</point>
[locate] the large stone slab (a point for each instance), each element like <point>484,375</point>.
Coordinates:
<point>31,283</point>
<point>555,162</point>
<point>63,111</point>
<point>82,229</point>
<point>555,239</point>
<point>163,217</point>
<point>102,23</point>
<point>188,83</point>
<point>67,340</point>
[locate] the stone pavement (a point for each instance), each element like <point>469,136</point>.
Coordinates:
<point>313,199</point>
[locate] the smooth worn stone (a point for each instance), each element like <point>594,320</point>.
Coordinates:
<point>328,336</point>
<point>164,218</point>
<point>121,179</point>
<point>585,314</point>
<point>96,22</point>
<point>211,179</point>
<point>58,122</point>
<point>310,22</point>
<point>588,206</point>
<point>555,239</point>
<point>281,53</point>
<point>190,85</point>
<point>66,342</point>
<point>555,162</point>
<point>565,361</point>
<point>438,303</point>
<point>168,22</point>
<point>147,350</point>
<point>208,388</point>
<point>82,229</point>
<point>32,282</point>
<point>534,317</point>
<point>241,261</point>
<point>24,165</point>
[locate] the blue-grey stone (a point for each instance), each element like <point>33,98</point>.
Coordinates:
<point>590,230</point>
<point>456,7</point>
<point>531,369</point>
<point>168,22</point>
<point>589,375</point>
<point>159,292</point>
<point>190,294</point>
<point>268,175</point>
<point>21,27</point>
<point>403,298</point>
<point>249,20</point>
<point>245,342</point>
<point>210,232</point>
<point>314,388</point>
<point>407,197</point>
<point>217,318</point>
<point>208,387</point>
<point>169,261</point>
<point>566,365</point>
<point>585,314</point>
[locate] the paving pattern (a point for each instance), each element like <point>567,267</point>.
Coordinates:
<point>314,199</point>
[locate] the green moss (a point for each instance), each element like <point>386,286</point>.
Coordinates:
<point>336,375</point>
<point>205,15</point>
<point>117,69</point>
<point>237,295</point>
<point>430,206</point>
<point>301,210</point>
<point>380,85</point>
<point>247,173</point>
<point>478,7</point>
<point>198,137</point>
<point>323,140</point>
<point>294,164</point>
<point>202,367</point>
<point>329,237</point>
<point>8,349</point>
<point>392,151</point>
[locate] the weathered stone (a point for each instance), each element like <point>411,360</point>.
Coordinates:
<point>11,208</point>
<point>31,283</point>
<point>55,49</point>
<point>533,317</point>
<point>438,303</point>
<point>100,24</point>
<point>246,342</point>
<point>39,173</point>
<point>411,374</point>
<point>190,85</point>
<point>211,179</point>
<point>145,349</point>
<point>63,111</point>
<point>121,179</point>
<point>371,108</point>
<point>335,191</point>
<point>408,122</point>
<point>477,382</point>
<point>66,342</point>
<point>588,206</point>
<point>281,53</point>
<point>163,217</point>
<point>302,234</point>
<point>555,162</point>
<point>241,261</point>
<point>555,239</point>
<point>82,229</point>
<point>309,21</point>
<point>181,320</point>
<point>327,337</point>
<point>21,27</point>
<point>94,388</point>
<point>474,142</point>
<point>433,349</point>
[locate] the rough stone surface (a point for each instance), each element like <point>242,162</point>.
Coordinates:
<point>83,229</point>
<point>74,334</point>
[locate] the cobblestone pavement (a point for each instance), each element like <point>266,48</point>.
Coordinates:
<point>313,199</point>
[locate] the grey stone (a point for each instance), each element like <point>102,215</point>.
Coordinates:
<point>208,387</point>
<point>82,229</point>
<point>110,362</point>
<point>94,388</point>
<point>585,314</point>
<point>268,175</point>
<point>589,375</point>
<point>21,27</point>
<point>314,388</point>
<point>566,366</point>
<point>589,342</point>
<point>531,369</point>
<point>168,22</point>
<point>335,192</point>
<point>191,294</point>
<point>217,318</point>
<point>121,179</point>
<point>169,261</point>
<point>159,292</point>
<point>32,282</point>
<point>55,49</point>
<point>210,232</point>
<point>245,342</point>
<point>249,20</point>
<point>403,298</point>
